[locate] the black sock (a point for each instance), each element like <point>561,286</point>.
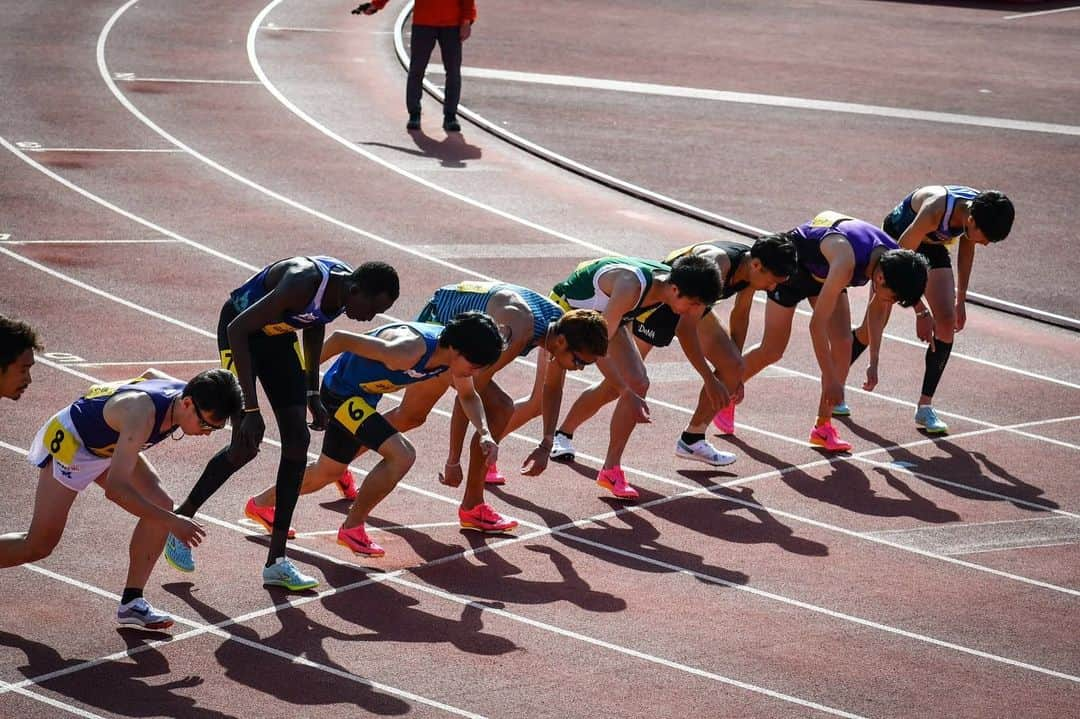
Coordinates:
<point>130,594</point>
<point>217,472</point>
<point>689,438</point>
<point>289,478</point>
<point>935,366</point>
<point>857,347</point>
<point>568,435</point>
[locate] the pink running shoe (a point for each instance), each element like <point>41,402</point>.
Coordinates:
<point>615,482</point>
<point>494,476</point>
<point>725,419</point>
<point>357,540</point>
<point>826,437</point>
<point>263,516</point>
<point>346,484</point>
<point>484,518</point>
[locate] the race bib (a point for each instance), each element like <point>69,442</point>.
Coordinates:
<point>60,442</point>
<point>278,328</point>
<point>108,389</point>
<point>475,287</point>
<point>227,361</point>
<point>828,218</point>
<point>379,386</point>
<point>353,412</point>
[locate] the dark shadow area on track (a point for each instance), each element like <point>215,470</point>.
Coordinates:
<point>128,693</point>
<point>638,536</point>
<point>500,580</point>
<point>452,152</point>
<point>298,634</point>
<point>848,486</point>
<point>715,518</point>
<point>961,465</point>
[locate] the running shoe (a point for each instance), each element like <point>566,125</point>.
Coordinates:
<point>139,612</point>
<point>494,476</point>
<point>562,448</point>
<point>263,516</point>
<point>485,519</point>
<point>178,555</point>
<point>926,418</point>
<point>614,481</point>
<point>702,451</point>
<point>346,484</point>
<point>826,437</point>
<point>841,410</point>
<point>725,419</point>
<point>359,542</point>
<point>450,124</point>
<point>283,573</point>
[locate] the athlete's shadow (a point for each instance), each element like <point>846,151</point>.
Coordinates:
<point>963,472</point>
<point>489,575</point>
<point>623,543</point>
<point>847,485</point>
<point>119,686</point>
<point>720,519</point>
<point>452,152</point>
<point>300,635</point>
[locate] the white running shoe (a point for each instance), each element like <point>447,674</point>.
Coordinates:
<point>702,451</point>
<point>140,613</point>
<point>561,448</point>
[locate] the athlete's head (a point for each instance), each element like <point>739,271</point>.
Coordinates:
<point>17,344</point>
<point>697,284</point>
<point>209,399</point>
<point>370,290</point>
<point>992,216</point>
<point>475,340</point>
<point>581,337</point>
<point>772,261</point>
<point>900,277</point>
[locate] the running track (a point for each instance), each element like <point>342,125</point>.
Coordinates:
<point>917,577</point>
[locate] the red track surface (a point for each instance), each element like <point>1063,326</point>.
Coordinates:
<point>904,581</point>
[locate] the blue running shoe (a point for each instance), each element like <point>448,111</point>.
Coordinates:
<point>178,555</point>
<point>841,410</point>
<point>926,418</point>
<point>282,573</point>
<point>139,612</point>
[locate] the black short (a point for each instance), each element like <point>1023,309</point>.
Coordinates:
<point>936,254</point>
<point>354,424</point>
<point>658,328</point>
<point>276,361</point>
<point>798,287</point>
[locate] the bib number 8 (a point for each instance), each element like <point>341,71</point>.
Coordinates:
<point>60,443</point>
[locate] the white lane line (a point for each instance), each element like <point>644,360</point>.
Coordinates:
<point>131,77</point>
<point>1019,546</point>
<point>862,456</point>
<point>87,242</point>
<point>145,363</point>
<point>749,98</point>
<point>274,28</point>
<point>391,577</point>
<point>104,149</point>
<point>199,628</point>
<point>69,708</point>
<point>1036,13</point>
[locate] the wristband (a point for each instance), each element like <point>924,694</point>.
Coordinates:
<point>313,393</point>
<point>923,313</point>
<point>249,410</point>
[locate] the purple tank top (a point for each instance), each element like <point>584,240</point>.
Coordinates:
<point>862,236</point>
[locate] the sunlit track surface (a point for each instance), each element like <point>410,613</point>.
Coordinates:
<point>876,586</point>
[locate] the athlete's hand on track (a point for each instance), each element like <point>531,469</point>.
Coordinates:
<point>319,416</point>
<point>640,410</point>
<point>536,462</point>
<point>871,379</point>
<point>924,328</point>
<point>251,432</point>
<point>961,315</point>
<point>451,475</point>
<point>187,530</point>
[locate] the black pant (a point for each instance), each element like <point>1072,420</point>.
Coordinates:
<point>424,38</point>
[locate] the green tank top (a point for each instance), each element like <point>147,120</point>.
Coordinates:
<point>580,290</point>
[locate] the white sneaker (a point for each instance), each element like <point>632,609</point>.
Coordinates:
<point>702,451</point>
<point>561,448</point>
<point>140,613</point>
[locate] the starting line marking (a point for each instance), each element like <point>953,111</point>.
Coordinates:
<point>1023,15</point>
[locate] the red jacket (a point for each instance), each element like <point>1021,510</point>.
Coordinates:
<point>439,13</point>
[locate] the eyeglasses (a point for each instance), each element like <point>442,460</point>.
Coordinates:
<point>578,361</point>
<point>203,424</point>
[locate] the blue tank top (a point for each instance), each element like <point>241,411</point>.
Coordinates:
<point>863,237</point>
<point>255,289</point>
<point>352,374</point>
<point>903,215</point>
<point>450,300</point>
<point>87,412</point>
